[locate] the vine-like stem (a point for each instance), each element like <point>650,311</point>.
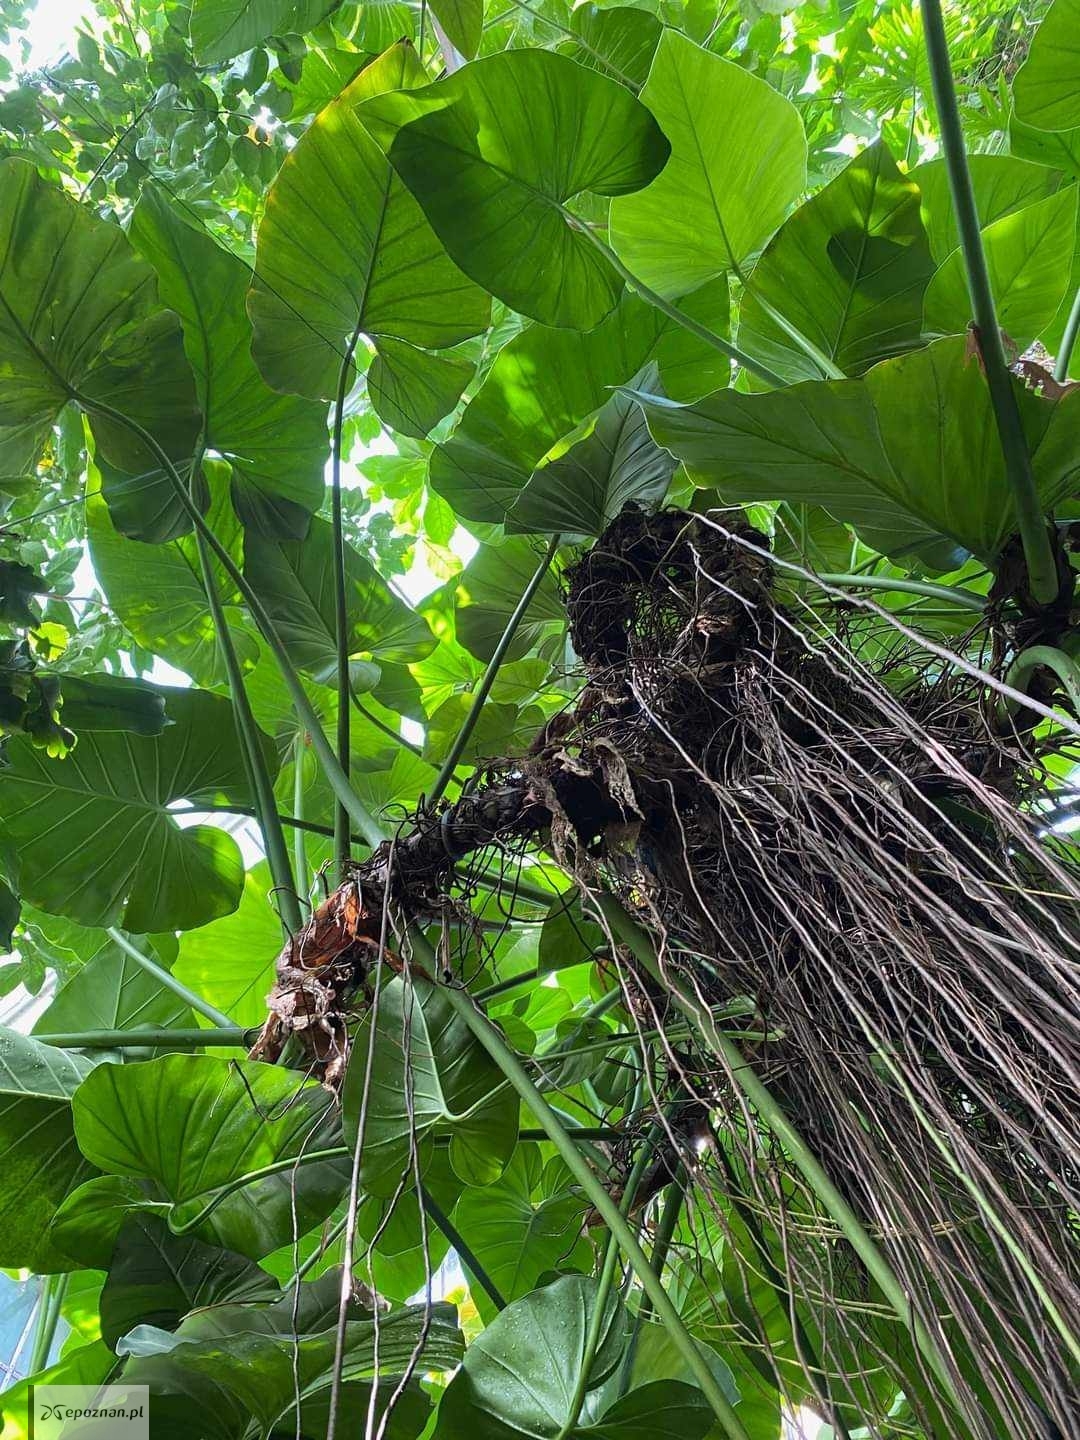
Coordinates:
<point>1068,341</point>
<point>665,1231</point>
<point>465,1252</point>
<point>339,782</point>
<point>954,595</point>
<point>50,1301</point>
<point>169,981</point>
<point>601,1201</point>
<point>300,863</point>
<point>262,789</point>
<point>341,606</point>
<point>1063,666</point>
<point>1041,566</point>
<point>773,1117</point>
<point>603,1289</point>
<point>483,690</point>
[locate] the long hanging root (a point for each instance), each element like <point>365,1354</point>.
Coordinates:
<point>835,823</point>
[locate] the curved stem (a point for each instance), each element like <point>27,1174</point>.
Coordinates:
<point>1042,569</point>
<point>483,690</point>
<point>601,1201</point>
<point>775,1120</point>
<point>1068,341</point>
<point>262,789</point>
<point>465,1252</point>
<point>339,782</point>
<point>680,317</point>
<point>665,1231</point>
<point>169,981</point>
<point>952,594</point>
<point>341,607</point>
<point>1063,666</point>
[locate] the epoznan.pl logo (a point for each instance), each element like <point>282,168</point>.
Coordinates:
<point>96,1412</point>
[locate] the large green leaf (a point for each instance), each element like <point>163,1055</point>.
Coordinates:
<point>1047,85</point>
<point>510,1386</point>
<point>1002,185</point>
<point>494,153</point>
<point>79,312</point>
<point>195,1123</point>
<point>1059,149</point>
<point>516,1233</point>
<point>295,581</point>
<point>462,22</point>
<point>343,248</point>
<point>276,444</point>
<point>488,590</point>
<point>157,591</point>
<point>156,1278</point>
<point>230,963</point>
<point>618,40</point>
<point>423,1047</point>
<point>738,161</point>
<point>1029,255</point>
<point>223,28</point>
<point>39,1159</point>
<point>545,382</point>
<point>849,269</point>
<point>612,462</point>
<point>909,454</point>
<point>113,992</point>
<point>231,1365</point>
<point>84,1365</point>
<point>95,835</point>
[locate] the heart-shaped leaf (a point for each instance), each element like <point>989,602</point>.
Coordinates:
<point>495,152</point>
<point>1047,86</point>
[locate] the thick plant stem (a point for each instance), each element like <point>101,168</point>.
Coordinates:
<point>772,1116</point>
<point>688,323</point>
<point>338,781</point>
<point>483,690</point>
<point>1063,666</point>
<point>262,789</point>
<point>465,1252</point>
<point>1042,569</point>
<point>1068,341</point>
<point>300,864</point>
<point>556,1132</point>
<point>953,595</point>
<point>341,608</point>
<point>603,1289</point>
<point>219,1037</point>
<point>665,1230</point>
<point>51,1298</point>
<point>163,977</point>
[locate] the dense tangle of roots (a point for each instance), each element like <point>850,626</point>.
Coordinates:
<point>835,825</point>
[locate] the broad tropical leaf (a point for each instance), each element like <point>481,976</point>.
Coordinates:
<point>545,382</point>
<point>158,592</point>
<point>344,250</point>
<point>223,28</point>
<point>462,22</point>
<point>864,450</point>
<point>230,962</point>
<point>123,859</point>
<point>194,1124</point>
<point>738,161</point>
<point>456,1090</point>
<point>277,445</point>
<point>617,40</point>
<point>848,269</point>
<point>113,992</point>
<point>79,312</point>
<point>39,1159</point>
<point>1047,86</point>
<point>520,135</point>
<point>156,1278</point>
<point>295,578</point>
<point>490,587</point>
<point>1029,254</point>
<point>611,462</point>
<point>1002,185</point>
